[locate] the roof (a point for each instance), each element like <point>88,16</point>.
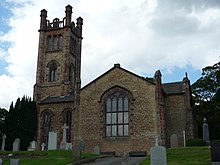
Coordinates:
<point>58,99</point>
<point>119,67</point>
<point>173,88</point>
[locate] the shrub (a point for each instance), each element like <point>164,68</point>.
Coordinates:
<point>195,142</point>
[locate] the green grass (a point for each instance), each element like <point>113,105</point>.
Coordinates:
<point>186,156</point>
<point>54,157</point>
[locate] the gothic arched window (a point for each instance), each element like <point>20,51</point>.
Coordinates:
<point>116,110</point>
<point>46,124</point>
<point>55,42</point>
<point>52,71</point>
<point>67,119</point>
<point>71,75</point>
<point>49,43</point>
<point>60,41</point>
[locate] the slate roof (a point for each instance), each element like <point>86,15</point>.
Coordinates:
<point>58,99</point>
<point>173,88</point>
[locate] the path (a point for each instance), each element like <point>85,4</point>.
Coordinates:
<point>116,161</point>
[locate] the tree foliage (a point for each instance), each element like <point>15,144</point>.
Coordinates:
<point>206,93</point>
<point>21,122</point>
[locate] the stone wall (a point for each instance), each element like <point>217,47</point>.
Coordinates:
<point>142,114</point>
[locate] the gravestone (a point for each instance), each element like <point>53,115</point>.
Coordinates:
<point>33,146</point>
<point>16,145</point>
<point>52,141</point>
<point>125,158</point>
<point>43,146</point>
<point>158,155</point>
<point>215,153</point>
<point>205,131</point>
<point>79,148</point>
<point>3,142</point>
<point>69,146</point>
<point>14,162</point>
<point>173,141</point>
<point>63,142</point>
<point>97,150</point>
<point>1,162</point>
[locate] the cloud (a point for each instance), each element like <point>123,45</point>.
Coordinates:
<point>142,35</point>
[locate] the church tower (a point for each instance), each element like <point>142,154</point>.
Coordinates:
<point>58,77</point>
<point>59,56</point>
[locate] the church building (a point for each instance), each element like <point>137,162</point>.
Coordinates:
<point>118,111</point>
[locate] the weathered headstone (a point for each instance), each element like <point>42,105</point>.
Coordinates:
<point>52,141</point>
<point>79,148</point>
<point>97,150</point>
<point>69,146</point>
<point>16,145</point>
<point>184,138</point>
<point>158,155</point>
<point>205,131</point>
<point>33,146</point>
<point>14,162</point>
<point>215,153</point>
<point>125,158</point>
<point>3,142</point>
<point>43,146</point>
<point>1,162</point>
<point>63,142</point>
<point>173,141</point>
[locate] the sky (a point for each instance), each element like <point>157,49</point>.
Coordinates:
<point>174,36</point>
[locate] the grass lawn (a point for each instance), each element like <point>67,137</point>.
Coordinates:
<point>186,156</point>
<point>54,157</point>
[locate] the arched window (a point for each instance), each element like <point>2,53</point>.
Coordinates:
<point>67,119</point>
<point>52,71</point>
<point>46,125</point>
<point>49,43</point>
<point>71,75</point>
<point>116,109</point>
<point>55,42</point>
<point>60,41</point>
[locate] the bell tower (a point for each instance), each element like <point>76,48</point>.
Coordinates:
<point>59,56</point>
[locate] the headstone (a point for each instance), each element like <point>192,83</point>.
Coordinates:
<point>184,138</point>
<point>16,145</point>
<point>43,146</point>
<point>3,142</point>
<point>79,148</point>
<point>158,155</point>
<point>125,158</point>
<point>205,131</point>
<point>81,145</point>
<point>52,141</point>
<point>173,141</point>
<point>1,162</point>
<point>14,162</point>
<point>33,146</point>
<point>215,153</point>
<point>63,142</point>
<point>97,150</point>
<point>69,146</point>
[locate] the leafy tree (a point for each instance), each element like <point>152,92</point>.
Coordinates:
<point>206,92</point>
<point>21,122</point>
<point>3,114</point>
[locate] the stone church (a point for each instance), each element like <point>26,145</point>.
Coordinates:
<point>118,111</point>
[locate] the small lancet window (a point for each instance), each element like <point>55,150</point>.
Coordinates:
<point>60,41</point>
<point>55,39</point>
<point>49,43</point>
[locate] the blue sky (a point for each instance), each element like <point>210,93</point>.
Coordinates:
<point>174,36</point>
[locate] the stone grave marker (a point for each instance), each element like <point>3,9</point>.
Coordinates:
<point>97,150</point>
<point>63,142</point>
<point>43,146</point>
<point>1,162</point>
<point>125,158</point>
<point>14,162</point>
<point>173,141</point>
<point>158,155</point>
<point>215,153</point>
<point>69,146</point>
<point>16,145</point>
<point>3,142</point>
<point>33,146</point>
<point>52,141</point>
<point>205,131</point>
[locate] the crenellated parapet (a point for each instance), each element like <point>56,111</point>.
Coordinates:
<point>61,23</point>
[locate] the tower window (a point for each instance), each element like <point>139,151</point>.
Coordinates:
<point>52,71</point>
<point>46,124</point>
<point>55,42</point>
<point>67,119</point>
<point>55,39</point>
<point>60,41</point>
<point>49,43</point>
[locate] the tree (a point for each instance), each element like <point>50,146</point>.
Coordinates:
<point>21,122</point>
<point>206,93</point>
<point>3,114</point>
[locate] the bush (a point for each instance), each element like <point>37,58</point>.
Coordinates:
<point>195,142</point>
